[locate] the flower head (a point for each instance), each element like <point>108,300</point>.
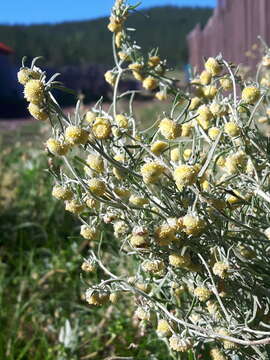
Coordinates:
<point>213,132</point>
<point>121,121</point>
<point>97,186</point>
<point>221,269</point>
<point>184,175</point>
<point>101,128</point>
<point>150,83</point>
<point>25,74</point>
<point>110,77</point>
<point>56,147</point>
<point>38,112</point>
<point>34,91</point>
<point>151,172</point>
<point>213,66</point>
<point>62,193</point>
<point>75,207</point>
<point>164,234</point>
<point>153,266</point>
<point>163,328</point>
<point>175,155</point>
<point>232,129</point>
<point>202,293</point>
<point>95,162</point>
<point>170,129</point>
<point>96,297</point>
<point>88,232</point>
<point>180,344</point>
<point>179,261</point>
<point>158,147</point>
<point>88,267</point>
<point>193,225</point>
<point>76,135</point>
<point>205,77</point>
<point>251,94</point>
<point>226,84</point>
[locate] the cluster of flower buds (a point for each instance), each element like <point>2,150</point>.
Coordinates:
<point>188,198</point>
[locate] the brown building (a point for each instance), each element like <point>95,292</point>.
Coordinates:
<point>232,30</point>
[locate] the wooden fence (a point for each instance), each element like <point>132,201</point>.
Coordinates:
<point>233,30</point>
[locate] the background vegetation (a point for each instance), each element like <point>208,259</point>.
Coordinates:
<point>79,43</point>
<point>43,315</point>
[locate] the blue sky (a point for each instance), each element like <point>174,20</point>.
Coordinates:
<point>36,11</point>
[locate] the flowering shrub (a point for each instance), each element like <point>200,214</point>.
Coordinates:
<point>188,199</point>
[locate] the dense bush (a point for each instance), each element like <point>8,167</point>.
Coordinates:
<point>187,199</point>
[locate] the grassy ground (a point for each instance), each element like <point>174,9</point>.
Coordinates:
<point>42,313</point>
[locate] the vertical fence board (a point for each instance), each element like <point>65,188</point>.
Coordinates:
<point>233,30</point>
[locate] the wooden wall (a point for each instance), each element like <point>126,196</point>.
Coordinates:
<point>233,30</point>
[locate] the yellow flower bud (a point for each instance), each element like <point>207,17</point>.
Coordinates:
<point>205,78</point>
<point>136,71</point>
<point>88,267</point>
<point>175,155</point>
<point>170,129</point>
<point>213,133</point>
<point>251,94</point>
<point>213,66</point>
<point>232,129</point>
<point>153,266</point>
<point>226,84</point>
<point>89,232</point>
<point>210,91</point>
<point>90,117</point>
<point>151,172</point>
<point>193,225</point>
<point>187,154</point>
<point>180,344</point>
<point>37,112</point>
<point>179,261</point>
<point>161,95</point>
<point>118,39</point>
<point>150,83</point>
<point>121,121</point>
<point>204,117</point>
<point>95,162</point>
<point>184,175</point>
<point>186,129</point>
<point>101,128</point>
<point>75,207</point>
<point>96,298</point>
<point>25,74</point>
<point>62,193</point>
<point>76,135</point>
<point>195,103</point>
<point>138,201</point>
<point>115,25</point>
<point>158,147</point>
<point>153,61</point>
<point>34,91</point>
<point>138,241</point>
<point>110,77</point>
<point>165,234</point>
<point>221,269</point>
<point>97,186</point>
<point>163,328</point>
<point>202,293</point>
<point>56,147</point>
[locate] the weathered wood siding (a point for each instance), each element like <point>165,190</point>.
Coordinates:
<point>233,30</point>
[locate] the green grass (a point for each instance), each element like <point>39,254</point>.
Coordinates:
<point>41,285</point>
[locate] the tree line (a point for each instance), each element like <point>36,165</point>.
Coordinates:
<point>85,42</point>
